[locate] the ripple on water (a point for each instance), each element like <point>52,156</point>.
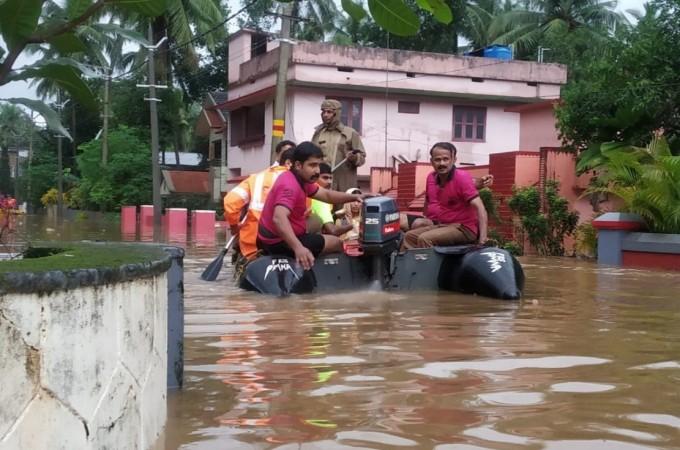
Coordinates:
<point>377,437</point>
<point>489,434</point>
<point>360,378</point>
<point>326,360</point>
<point>458,447</point>
<point>657,419</point>
<point>336,389</point>
<point>511,398</point>
<point>320,445</point>
<point>659,365</point>
<point>580,387</point>
<point>449,369</point>
<point>599,444</point>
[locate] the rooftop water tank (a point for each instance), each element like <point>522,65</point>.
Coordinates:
<point>493,51</point>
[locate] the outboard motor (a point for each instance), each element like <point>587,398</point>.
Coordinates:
<point>379,233</point>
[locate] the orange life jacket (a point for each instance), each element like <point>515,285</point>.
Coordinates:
<point>252,192</point>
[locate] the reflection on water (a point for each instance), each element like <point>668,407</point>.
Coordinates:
<point>590,359</point>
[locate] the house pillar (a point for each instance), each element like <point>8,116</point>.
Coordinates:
<point>612,228</point>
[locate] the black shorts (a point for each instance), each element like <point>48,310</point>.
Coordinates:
<point>314,242</point>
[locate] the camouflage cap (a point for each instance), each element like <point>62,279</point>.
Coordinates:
<point>331,104</point>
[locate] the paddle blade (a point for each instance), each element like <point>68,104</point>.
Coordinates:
<point>278,276</point>
<point>210,273</point>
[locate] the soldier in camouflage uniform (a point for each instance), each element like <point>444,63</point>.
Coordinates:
<point>339,142</point>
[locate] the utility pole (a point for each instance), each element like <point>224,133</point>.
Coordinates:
<point>60,165</point>
<point>29,206</point>
<point>155,167</point>
<point>279,118</point>
<point>105,116</point>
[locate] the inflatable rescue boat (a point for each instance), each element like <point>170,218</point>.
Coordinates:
<point>376,262</point>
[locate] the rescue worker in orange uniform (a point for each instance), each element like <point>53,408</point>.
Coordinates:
<point>251,194</point>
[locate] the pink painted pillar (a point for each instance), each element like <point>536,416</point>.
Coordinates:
<point>176,223</point>
<point>128,220</point>
<point>203,226</point>
<point>146,222</point>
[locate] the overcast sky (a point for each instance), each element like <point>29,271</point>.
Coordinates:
<point>21,89</point>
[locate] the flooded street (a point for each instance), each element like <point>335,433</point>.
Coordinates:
<point>589,359</point>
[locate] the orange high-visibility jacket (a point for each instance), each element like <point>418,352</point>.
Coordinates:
<point>252,192</point>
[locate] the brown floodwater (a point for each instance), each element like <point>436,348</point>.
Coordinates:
<point>589,359</point>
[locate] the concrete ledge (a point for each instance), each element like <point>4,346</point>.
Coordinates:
<point>84,354</point>
<point>652,243</point>
<point>18,277</point>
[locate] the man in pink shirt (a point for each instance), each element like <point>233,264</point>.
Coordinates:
<point>283,229</point>
<point>454,212</point>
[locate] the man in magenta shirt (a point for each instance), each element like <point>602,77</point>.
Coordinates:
<point>282,229</point>
<point>454,212</point>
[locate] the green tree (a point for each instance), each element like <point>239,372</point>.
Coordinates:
<point>544,227</point>
<point>630,90</point>
<point>647,179</point>
<point>126,179</point>
<point>433,35</point>
<point>25,22</point>
<point>41,175</point>
<point>15,126</point>
<point>526,28</point>
<point>398,17</point>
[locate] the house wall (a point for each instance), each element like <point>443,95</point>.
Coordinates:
<point>84,368</point>
<point>442,84</point>
<point>410,135</point>
<point>427,63</point>
<point>538,129</point>
<point>239,52</point>
<point>526,169</point>
<point>561,166</point>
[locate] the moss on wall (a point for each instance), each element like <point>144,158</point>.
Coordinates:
<point>64,265</point>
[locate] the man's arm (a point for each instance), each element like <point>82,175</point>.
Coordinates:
<point>234,202</point>
<point>336,230</point>
<point>357,155</point>
<point>481,215</point>
<point>336,197</point>
<point>285,230</point>
<point>482,182</point>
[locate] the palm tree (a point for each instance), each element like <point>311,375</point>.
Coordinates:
<point>480,24</point>
<point>539,19</point>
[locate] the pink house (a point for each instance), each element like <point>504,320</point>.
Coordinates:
<point>401,102</point>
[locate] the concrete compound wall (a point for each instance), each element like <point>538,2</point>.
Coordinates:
<point>85,368</point>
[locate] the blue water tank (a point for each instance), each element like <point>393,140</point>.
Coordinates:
<point>498,52</point>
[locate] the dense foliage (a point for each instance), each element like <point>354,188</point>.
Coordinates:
<point>628,89</point>
<point>647,179</point>
<point>544,226</point>
<point>125,180</point>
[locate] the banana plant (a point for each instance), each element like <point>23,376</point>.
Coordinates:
<point>25,23</point>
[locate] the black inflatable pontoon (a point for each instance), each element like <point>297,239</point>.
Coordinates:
<point>487,271</point>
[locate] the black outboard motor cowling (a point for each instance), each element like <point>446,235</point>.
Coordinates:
<point>379,230</point>
<point>379,236</point>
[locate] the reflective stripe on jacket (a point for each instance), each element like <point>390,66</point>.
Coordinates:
<point>251,192</point>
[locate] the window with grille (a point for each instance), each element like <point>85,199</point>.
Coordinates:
<point>469,123</point>
<point>409,107</point>
<point>247,124</point>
